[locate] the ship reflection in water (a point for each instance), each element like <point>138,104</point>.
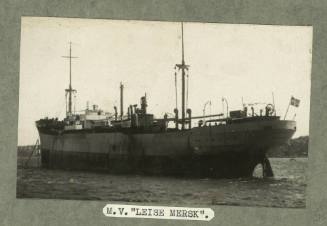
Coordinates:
<point>286,189</point>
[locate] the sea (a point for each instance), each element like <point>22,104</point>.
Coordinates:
<point>287,189</point>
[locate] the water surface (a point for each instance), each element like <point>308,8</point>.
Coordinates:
<point>286,189</point>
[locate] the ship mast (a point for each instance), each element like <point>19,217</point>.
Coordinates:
<point>183,67</point>
<point>70,90</point>
<point>121,101</point>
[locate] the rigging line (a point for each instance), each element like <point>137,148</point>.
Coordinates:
<point>187,90</point>
<point>66,102</point>
<point>176,88</point>
<point>74,103</point>
<point>58,113</point>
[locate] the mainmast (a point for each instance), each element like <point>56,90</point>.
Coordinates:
<point>70,90</point>
<point>183,67</point>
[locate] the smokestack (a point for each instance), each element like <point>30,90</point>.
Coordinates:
<point>176,118</point>
<point>143,104</point>
<point>121,100</point>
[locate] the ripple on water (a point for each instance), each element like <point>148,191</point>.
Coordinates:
<point>286,189</point>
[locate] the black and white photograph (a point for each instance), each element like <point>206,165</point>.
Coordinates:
<point>164,113</point>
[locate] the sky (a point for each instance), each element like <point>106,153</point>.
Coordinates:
<point>234,61</point>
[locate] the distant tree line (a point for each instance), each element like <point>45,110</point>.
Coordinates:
<point>297,147</point>
<point>26,150</point>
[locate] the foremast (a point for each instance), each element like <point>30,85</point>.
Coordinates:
<point>70,91</point>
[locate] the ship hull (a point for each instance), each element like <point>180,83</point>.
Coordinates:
<point>216,151</point>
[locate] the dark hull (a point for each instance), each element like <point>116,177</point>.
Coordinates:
<point>225,165</point>
<point>218,151</point>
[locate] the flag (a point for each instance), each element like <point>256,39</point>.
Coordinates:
<point>295,102</point>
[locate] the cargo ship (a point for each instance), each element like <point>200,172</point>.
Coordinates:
<point>219,146</point>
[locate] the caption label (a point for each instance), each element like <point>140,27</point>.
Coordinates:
<point>158,212</point>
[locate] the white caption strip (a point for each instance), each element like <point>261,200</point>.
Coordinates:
<point>158,212</point>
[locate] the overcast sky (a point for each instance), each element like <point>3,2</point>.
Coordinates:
<point>226,60</point>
